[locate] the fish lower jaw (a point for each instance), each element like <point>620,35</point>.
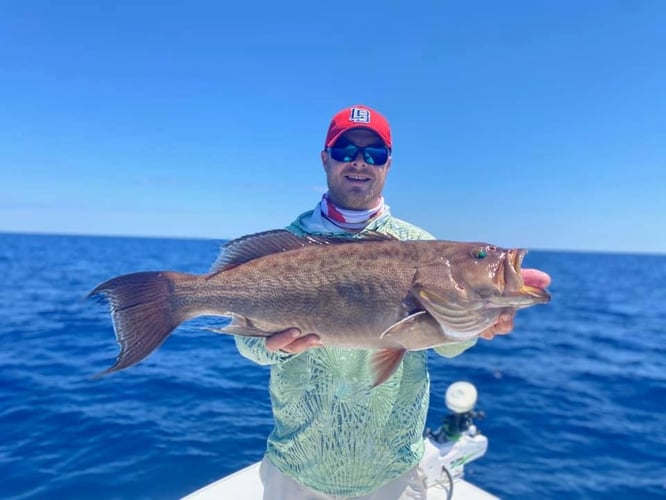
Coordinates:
<point>536,295</point>
<point>522,298</point>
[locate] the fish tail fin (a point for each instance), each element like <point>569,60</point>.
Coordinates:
<point>143,312</point>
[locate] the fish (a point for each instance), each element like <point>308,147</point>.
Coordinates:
<point>373,292</point>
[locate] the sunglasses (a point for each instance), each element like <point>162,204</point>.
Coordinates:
<point>374,155</point>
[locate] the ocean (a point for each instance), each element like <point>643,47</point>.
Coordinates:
<point>574,399</point>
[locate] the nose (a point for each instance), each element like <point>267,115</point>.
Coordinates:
<point>359,158</point>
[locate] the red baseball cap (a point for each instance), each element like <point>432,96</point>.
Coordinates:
<point>358,116</point>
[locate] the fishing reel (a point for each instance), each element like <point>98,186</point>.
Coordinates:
<point>457,441</point>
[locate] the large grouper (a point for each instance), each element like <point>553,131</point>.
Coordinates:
<point>373,292</point>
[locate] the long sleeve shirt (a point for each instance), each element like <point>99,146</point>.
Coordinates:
<point>333,431</point>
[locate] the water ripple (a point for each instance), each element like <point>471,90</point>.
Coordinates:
<point>573,397</point>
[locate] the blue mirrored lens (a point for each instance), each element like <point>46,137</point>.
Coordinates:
<point>374,155</point>
<point>347,153</point>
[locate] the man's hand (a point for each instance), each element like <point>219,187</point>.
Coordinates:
<point>291,340</point>
<point>504,325</point>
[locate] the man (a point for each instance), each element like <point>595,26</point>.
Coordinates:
<point>335,435</point>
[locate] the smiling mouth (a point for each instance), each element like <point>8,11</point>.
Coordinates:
<point>357,178</point>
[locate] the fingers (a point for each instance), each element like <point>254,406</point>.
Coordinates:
<point>292,341</point>
<point>505,321</point>
<point>535,278</point>
<point>504,325</point>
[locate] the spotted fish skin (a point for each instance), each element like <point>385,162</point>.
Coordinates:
<point>368,293</point>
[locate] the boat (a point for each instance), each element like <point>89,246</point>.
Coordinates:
<point>455,443</point>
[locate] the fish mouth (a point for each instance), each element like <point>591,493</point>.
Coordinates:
<point>515,289</point>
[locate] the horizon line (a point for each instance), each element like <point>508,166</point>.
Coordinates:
<point>655,253</point>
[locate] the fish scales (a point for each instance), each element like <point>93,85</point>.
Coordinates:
<point>380,293</point>
<point>326,290</point>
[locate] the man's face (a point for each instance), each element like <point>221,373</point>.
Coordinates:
<point>355,184</point>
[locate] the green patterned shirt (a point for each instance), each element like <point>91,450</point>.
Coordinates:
<point>333,432</point>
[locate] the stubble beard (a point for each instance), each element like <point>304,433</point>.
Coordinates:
<point>356,199</point>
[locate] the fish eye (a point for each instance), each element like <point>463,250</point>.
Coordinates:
<point>479,253</point>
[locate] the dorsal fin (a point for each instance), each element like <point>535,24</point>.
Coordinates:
<point>254,246</point>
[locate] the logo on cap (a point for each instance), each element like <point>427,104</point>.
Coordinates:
<point>359,115</point>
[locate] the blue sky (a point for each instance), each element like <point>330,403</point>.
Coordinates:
<point>535,124</point>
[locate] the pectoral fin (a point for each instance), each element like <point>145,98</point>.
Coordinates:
<point>415,332</point>
<point>384,363</point>
<point>240,325</point>
<point>402,329</point>
<point>457,322</point>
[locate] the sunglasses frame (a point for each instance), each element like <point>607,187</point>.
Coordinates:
<point>365,151</point>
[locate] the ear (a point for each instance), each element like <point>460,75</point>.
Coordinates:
<point>388,164</point>
<point>324,160</point>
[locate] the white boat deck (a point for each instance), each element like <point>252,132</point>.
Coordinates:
<point>246,485</point>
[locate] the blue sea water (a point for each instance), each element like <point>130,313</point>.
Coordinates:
<point>574,398</point>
